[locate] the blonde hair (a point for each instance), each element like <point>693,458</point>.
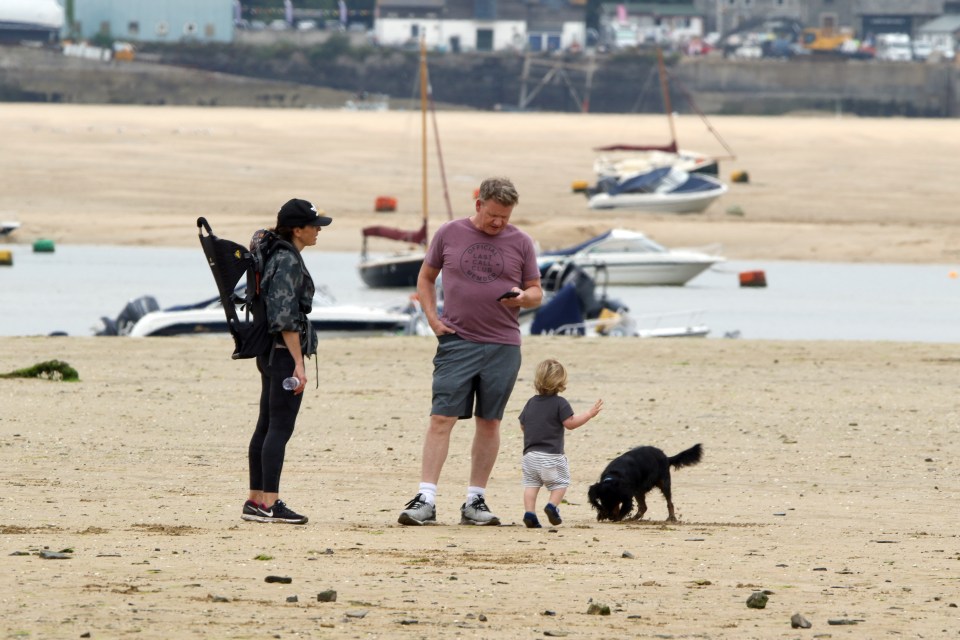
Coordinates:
<point>551,378</point>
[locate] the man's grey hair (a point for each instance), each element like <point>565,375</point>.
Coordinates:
<point>501,190</point>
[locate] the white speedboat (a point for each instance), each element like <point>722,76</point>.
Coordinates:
<point>631,258</point>
<point>665,189</point>
<point>142,317</point>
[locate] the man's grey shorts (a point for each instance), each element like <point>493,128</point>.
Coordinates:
<point>470,373</point>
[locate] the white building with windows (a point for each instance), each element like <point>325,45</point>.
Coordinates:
<point>154,20</point>
<point>482,25</point>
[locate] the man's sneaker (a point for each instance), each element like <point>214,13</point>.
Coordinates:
<point>418,512</point>
<point>251,511</point>
<point>477,513</point>
<point>553,514</point>
<point>280,512</point>
<point>530,519</point>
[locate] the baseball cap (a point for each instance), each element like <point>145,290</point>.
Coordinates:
<point>301,213</point>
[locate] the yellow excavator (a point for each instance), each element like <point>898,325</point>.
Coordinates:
<point>824,39</point>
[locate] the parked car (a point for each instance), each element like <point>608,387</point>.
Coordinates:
<point>922,50</point>
<point>894,47</point>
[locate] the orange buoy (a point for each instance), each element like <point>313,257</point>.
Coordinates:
<point>579,186</point>
<point>385,203</point>
<point>753,279</point>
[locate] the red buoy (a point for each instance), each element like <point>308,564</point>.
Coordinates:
<point>753,279</point>
<point>385,203</point>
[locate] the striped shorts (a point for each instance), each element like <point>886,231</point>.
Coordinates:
<point>550,470</point>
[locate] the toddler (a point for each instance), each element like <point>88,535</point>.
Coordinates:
<point>543,421</point>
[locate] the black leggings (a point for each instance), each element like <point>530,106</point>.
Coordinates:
<point>278,414</point>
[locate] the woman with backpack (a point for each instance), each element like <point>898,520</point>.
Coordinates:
<point>287,290</point>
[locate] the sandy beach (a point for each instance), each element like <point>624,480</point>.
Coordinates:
<point>821,187</point>
<point>829,481</point>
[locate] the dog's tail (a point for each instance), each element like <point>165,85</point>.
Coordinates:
<point>687,458</point>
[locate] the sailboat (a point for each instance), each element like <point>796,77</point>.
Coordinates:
<point>620,159</point>
<point>664,179</point>
<point>401,270</point>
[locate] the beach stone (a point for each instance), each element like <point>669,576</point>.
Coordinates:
<point>55,555</point>
<point>627,555</point>
<point>757,600</point>
<point>555,634</point>
<point>797,621</point>
<point>293,599</point>
<point>279,579</point>
<point>359,614</point>
<point>598,609</point>
<point>327,596</point>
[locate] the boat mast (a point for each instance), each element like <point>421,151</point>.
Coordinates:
<point>424,81</point>
<point>665,91</point>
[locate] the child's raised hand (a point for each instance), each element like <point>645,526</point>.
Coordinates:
<point>595,409</point>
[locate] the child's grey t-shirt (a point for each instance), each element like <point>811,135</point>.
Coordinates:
<point>542,419</point>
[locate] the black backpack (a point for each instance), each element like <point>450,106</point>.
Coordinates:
<point>229,262</point>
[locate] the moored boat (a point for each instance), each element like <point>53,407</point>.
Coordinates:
<point>665,189</point>
<point>632,258</point>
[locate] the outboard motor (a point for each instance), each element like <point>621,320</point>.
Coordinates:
<point>133,311</point>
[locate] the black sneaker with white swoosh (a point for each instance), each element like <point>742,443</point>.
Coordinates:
<point>251,511</point>
<point>280,512</point>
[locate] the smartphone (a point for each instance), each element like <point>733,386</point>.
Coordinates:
<point>509,294</point>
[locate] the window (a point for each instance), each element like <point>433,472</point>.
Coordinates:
<point>162,29</point>
<point>485,9</point>
<point>105,28</point>
<point>133,28</point>
<point>209,31</point>
<point>414,31</point>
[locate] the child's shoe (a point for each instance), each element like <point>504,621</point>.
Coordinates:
<point>553,514</point>
<point>530,519</point>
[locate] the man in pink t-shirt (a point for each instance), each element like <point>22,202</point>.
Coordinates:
<point>489,273</point>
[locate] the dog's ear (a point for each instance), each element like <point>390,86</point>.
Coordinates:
<point>593,497</point>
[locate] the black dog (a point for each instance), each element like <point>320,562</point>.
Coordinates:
<point>632,475</point>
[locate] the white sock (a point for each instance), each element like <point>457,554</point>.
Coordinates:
<point>428,492</point>
<point>473,492</point>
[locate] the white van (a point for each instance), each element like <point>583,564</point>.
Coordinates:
<point>894,46</point>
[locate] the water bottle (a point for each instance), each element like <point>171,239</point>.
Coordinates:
<point>291,383</point>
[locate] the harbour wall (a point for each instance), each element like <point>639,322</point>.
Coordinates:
<point>297,78</point>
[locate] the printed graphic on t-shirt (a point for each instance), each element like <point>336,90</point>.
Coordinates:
<point>482,262</point>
